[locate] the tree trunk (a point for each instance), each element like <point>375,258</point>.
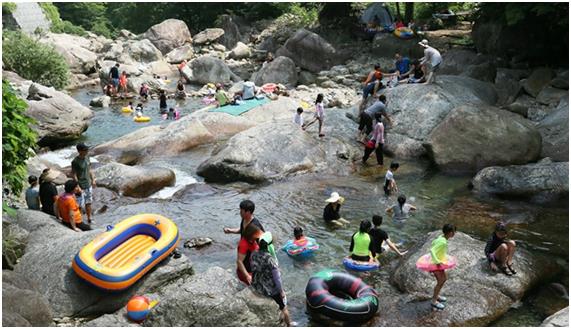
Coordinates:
<point>399,17</point>
<point>408,11</point>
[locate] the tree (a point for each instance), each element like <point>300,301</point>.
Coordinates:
<point>408,11</point>
<point>398,16</point>
<point>18,138</point>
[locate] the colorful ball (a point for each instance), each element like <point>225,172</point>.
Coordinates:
<point>138,308</point>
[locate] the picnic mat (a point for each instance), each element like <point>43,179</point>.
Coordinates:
<point>244,107</point>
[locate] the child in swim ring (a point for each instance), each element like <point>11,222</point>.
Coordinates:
<point>438,253</point>
<point>130,105</point>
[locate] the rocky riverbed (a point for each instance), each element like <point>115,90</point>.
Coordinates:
<point>486,125</point>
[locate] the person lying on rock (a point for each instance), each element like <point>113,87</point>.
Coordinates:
<point>266,279</point>
<point>67,208</point>
<point>331,210</point>
<point>500,251</point>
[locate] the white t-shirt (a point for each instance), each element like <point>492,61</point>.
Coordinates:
<point>319,113</point>
<point>249,90</point>
<point>432,55</point>
<point>389,176</point>
<point>298,119</point>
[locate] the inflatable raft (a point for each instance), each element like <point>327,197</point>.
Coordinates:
<point>125,252</point>
<point>404,33</point>
<point>142,119</point>
<point>360,302</point>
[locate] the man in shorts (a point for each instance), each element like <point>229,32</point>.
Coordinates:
<point>81,169</point>
<point>114,76</point>
<point>430,62</point>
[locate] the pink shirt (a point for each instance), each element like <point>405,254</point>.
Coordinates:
<point>379,133</point>
<point>319,110</point>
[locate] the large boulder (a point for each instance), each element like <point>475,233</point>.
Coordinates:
<point>201,127</point>
<point>22,304</point>
<point>207,36</point>
<point>67,294</point>
<point>14,241</point>
<point>133,181</point>
<point>476,295</point>
<point>559,319</point>
<point>542,181</point>
<point>507,84</point>
<point>251,156</point>
<point>168,35</point>
<point>59,117</point>
<point>280,70</point>
<point>240,51</point>
<point>387,44</point>
<point>416,110</point>
<point>75,51</point>
<point>538,79</point>
<point>142,51</point>
<point>213,297</point>
<point>101,101</point>
<point>231,34</point>
<point>461,142</point>
<point>208,69</point>
<point>311,52</point>
<point>561,81</point>
<point>177,55</point>
<point>554,130</point>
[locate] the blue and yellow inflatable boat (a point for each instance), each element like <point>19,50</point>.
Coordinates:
<point>119,257</point>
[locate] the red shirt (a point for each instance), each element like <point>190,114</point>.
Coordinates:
<point>246,248</point>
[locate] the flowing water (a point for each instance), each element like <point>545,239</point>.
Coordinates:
<point>202,210</point>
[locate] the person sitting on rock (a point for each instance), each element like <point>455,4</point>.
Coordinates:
<point>109,89</point>
<point>372,84</point>
<point>180,93</point>
<point>269,59</point>
<point>67,208</point>
<point>144,91</point>
<point>361,247</point>
<point>415,74</point>
<point>400,210</point>
<point>266,279</point>
<point>402,66</point>
<point>500,251</point>
<point>221,97</point>
<point>48,191</point>
<point>331,210</point>
<point>249,90</point>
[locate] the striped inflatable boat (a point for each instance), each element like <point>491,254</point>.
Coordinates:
<point>119,257</point>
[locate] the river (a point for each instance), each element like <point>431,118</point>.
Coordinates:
<point>202,210</point>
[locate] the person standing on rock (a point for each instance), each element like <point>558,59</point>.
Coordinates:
<point>48,191</point>
<point>247,208</point>
<point>438,253</point>
<point>81,170</point>
<point>67,207</point>
<point>500,251</point>
<point>123,84</point>
<point>367,116</point>
<point>114,76</point>
<point>266,278</point>
<point>431,60</point>
<point>247,245</point>
<point>163,102</point>
<point>376,142</point>
<point>319,115</point>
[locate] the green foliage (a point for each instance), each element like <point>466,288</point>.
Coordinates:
<point>8,8</point>
<point>17,138</point>
<point>90,16</point>
<point>59,25</point>
<point>553,14</point>
<point>33,60</point>
<point>6,209</point>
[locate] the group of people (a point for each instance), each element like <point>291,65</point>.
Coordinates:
<point>118,83</point>
<point>78,193</point>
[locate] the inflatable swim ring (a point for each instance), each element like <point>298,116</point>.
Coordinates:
<point>424,263</point>
<point>302,248</point>
<point>142,119</point>
<point>358,266</point>
<point>404,33</point>
<point>362,305</point>
<point>127,110</point>
<point>119,257</point>
<point>269,87</point>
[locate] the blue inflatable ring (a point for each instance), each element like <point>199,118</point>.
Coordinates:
<point>358,266</point>
<point>302,248</point>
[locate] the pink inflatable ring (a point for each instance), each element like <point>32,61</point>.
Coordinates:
<point>424,263</point>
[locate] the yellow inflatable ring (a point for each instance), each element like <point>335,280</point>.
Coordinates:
<point>119,257</point>
<point>404,33</point>
<point>142,119</point>
<point>127,110</point>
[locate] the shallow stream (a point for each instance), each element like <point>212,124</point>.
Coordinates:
<point>202,210</point>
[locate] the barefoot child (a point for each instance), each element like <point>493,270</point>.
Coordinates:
<point>298,118</point>
<point>319,115</point>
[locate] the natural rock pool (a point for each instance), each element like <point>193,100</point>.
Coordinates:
<point>202,210</point>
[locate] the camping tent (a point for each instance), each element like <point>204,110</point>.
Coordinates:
<point>378,13</point>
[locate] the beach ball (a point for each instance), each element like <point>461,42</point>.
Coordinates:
<point>138,308</point>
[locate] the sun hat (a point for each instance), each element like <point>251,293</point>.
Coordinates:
<point>423,43</point>
<point>334,198</point>
<point>48,175</point>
